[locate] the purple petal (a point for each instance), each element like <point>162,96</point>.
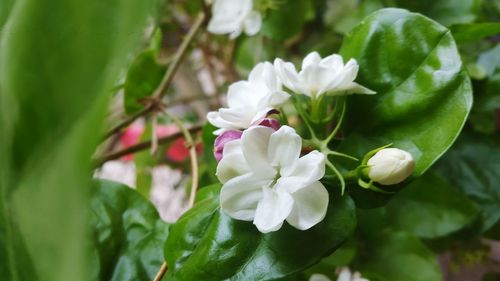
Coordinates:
<point>271,123</point>
<point>222,139</point>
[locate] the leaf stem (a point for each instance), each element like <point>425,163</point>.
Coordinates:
<point>161,272</point>
<point>337,173</point>
<point>167,78</point>
<point>337,126</point>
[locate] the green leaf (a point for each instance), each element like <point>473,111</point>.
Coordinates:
<point>128,234</point>
<point>430,208</point>
<point>423,93</point>
<point>5,8</point>
<point>490,60</point>
<point>472,166</point>
<point>399,256</point>
<point>206,244</point>
<point>143,77</point>
<point>285,21</point>
<point>446,12</point>
<point>58,61</point>
<point>474,31</point>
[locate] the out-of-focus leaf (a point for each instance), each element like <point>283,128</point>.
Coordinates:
<point>58,60</point>
<point>143,77</point>
<point>206,244</point>
<point>128,234</point>
<point>487,100</point>
<point>344,15</point>
<point>490,60</point>
<point>474,31</point>
<point>253,50</point>
<point>285,21</point>
<point>473,166</point>
<point>5,8</point>
<point>399,256</point>
<point>446,12</point>
<point>209,165</point>
<point>423,92</point>
<point>430,208</point>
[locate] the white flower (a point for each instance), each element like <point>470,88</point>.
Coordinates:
<point>319,277</point>
<point>346,275</point>
<point>250,101</point>
<point>233,16</point>
<point>319,76</point>
<point>265,180</point>
<point>390,166</point>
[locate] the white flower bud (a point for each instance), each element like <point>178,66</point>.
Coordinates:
<point>390,166</point>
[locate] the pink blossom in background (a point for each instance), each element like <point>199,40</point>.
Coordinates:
<point>178,151</point>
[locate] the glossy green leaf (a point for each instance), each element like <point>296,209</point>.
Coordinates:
<point>285,21</point>
<point>399,256</point>
<point>423,93</point>
<point>474,31</point>
<point>430,208</point>
<point>58,61</point>
<point>473,166</point>
<point>127,233</point>
<point>206,244</point>
<point>143,77</point>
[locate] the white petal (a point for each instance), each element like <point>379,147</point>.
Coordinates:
<point>237,118</point>
<point>287,73</point>
<point>355,88</point>
<point>333,61</point>
<point>240,196</point>
<point>264,73</point>
<point>311,59</point>
<point>284,147</point>
<point>319,277</point>
<point>215,119</point>
<point>311,204</point>
<point>255,142</point>
<point>272,210</point>
<point>242,94</point>
<point>317,79</point>
<point>233,163</point>
<point>345,274</point>
<point>306,170</point>
<point>253,23</point>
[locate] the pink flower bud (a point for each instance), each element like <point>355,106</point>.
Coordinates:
<point>224,138</point>
<point>271,123</point>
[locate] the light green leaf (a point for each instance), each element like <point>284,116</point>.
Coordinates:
<point>206,244</point>
<point>423,92</point>
<point>58,61</point>
<point>128,234</point>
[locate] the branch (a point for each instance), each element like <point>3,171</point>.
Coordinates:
<point>167,78</point>
<point>140,146</point>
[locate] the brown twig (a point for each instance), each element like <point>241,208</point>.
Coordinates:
<point>140,146</point>
<point>167,78</point>
<point>194,174</point>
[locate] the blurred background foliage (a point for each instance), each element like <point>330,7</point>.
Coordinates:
<point>67,65</point>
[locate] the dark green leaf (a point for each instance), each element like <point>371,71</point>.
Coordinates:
<point>474,31</point>
<point>58,61</point>
<point>128,234</point>
<point>423,93</point>
<point>206,244</point>
<point>430,208</point>
<point>473,166</point>
<point>5,8</point>
<point>143,77</point>
<point>285,21</point>
<point>399,256</point>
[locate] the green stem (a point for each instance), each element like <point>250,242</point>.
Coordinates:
<point>338,174</point>
<point>304,117</point>
<point>337,126</point>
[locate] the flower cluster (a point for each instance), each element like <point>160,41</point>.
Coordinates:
<point>344,274</point>
<point>234,16</point>
<point>267,177</point>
